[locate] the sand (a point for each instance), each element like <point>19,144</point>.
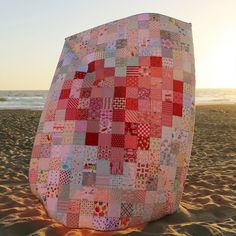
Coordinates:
<point>208,206</point>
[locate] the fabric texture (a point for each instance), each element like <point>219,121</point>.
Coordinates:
<point>114,140</point>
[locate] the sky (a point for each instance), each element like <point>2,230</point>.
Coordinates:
<point>32,35</point>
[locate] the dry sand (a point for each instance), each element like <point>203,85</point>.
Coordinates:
<point>208,206</point>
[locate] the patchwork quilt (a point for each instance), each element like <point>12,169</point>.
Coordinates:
<point>114,140</point>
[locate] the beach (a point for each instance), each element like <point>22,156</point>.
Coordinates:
<point>208,205</point>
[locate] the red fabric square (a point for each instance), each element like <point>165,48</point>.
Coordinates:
<point>155,130</point>
<point>67,84</point>
<point>130,155</point>
<point>167,84</point>
<point>118,115</point>
<point>94,114</point>
<point>91,67</point>
<point>93,126</point>
<point>72,220</point>
<point>132,104</point>
<point>156,71</point>
<point>178,86</point>
<point>99,74</point>
<point>85,92</point>
<point>64,177</point>
<point>131,141</point>
<point>65,93</point>
<point>132,81</point>
<point>144,130</point>
<point>99,64</point>
<point>109,72</point>
<point>74,206</point>
<point>177,97</point>
<point>131,116</point>
<point>62,104</point>
<point>156,61</point>
<point>120,92</point>
<point>177,109</point>
<point>119,81</point>
<point>91,139</point>
<point>79,75</point>
<point>71,114</point>
<point>133,71</point>
<point>144,61</point>
<point>117,140</point>
<point>73,103</point>
<point>167,73</point>
<point>131,128</point>
<point>167,108</point>
<point>82,114</point>
<point>104,140</point>
<point>166,120</point>
<point>143,143</point>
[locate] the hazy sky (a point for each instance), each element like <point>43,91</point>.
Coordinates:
<point>32,35</point>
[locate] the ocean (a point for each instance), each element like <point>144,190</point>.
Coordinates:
<point>35,99</point>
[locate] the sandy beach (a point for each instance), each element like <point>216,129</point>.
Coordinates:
<point>208,205</point>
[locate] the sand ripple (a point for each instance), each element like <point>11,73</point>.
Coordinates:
<point>208,206</point>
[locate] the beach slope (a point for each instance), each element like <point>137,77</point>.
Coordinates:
<point>208,206</point>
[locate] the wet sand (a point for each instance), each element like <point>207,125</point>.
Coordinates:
<point>208,205</point>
